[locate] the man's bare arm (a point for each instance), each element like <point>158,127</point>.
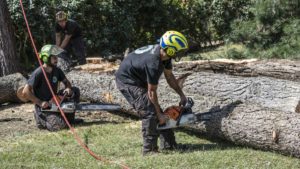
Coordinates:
<point>67,83</point>
<point>27,91</point>
<point>65,41</point>
<point>58,39</point>
<point>152,94</point>
<point>173,82</point>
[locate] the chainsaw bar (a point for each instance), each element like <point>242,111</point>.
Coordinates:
<point>71,107</point>
<point>97,107</point>
<point>203,116</point>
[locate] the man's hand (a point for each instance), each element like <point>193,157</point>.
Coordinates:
<point>68,91</point>
<point>44,105</point>
<point>183,101</point>
<point>162,118</point>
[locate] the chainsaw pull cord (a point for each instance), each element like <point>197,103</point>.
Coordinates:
<point>79,141</point>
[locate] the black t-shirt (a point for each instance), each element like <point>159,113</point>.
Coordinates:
<point>71,28</point>
<point>143,66</point>
<point>39,84</point>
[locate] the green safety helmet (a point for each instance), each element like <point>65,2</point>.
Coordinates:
<point>49,50</point>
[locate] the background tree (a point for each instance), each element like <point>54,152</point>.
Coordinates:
<point>9,62</point>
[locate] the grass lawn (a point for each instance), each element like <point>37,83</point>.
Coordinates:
<point>122,142</point>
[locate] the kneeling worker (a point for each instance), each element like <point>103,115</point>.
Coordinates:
<point>37,90</point>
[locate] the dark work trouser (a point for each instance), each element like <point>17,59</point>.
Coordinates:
<point>53,121</point>
<point>138,98</point>
<point>76,47</point>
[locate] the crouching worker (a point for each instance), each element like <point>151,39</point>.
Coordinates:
<point>37,90</point>
<point>138,80</point>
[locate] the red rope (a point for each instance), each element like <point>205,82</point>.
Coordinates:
<point>79,141</point>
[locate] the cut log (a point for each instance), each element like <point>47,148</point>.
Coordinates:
<point>98,68</point>
<point>268,92</point>
<point>259,111</point>
<point>9,86</point>
<point>64,62</point>
<point>281,69</point>
<point>94,60</point>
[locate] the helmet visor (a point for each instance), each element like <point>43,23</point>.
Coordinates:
<point>52,50</point>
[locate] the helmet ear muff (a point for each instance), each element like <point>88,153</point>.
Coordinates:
<point>44,57</point>
<point>171,51</point>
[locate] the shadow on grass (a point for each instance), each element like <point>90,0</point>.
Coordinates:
<point>125,115</point>
<point>97,122</point>
<point>213,128</point>
<point>188,148</point>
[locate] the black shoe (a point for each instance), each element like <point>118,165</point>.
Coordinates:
<point>77,121</point>
<point>149,153</point>
<point>181,147</point>
<point>40,126</point>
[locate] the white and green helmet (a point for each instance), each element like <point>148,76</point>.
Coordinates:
<point>49,50</point>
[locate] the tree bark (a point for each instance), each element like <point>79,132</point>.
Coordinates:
<point>8,58</point>
<point>260,112</point>
<point>281,69</point>
<point>9,86</point>
<point>64,63</point>
<point>268,92</point>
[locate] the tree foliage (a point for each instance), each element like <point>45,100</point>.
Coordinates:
<point>272,28</point>
<point>111,26</point>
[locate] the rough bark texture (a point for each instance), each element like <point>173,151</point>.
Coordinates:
<point>64,63</point>
<point>9,86</point>
<point>257,111</point>
<point>281,69</point>
<point>8,57</point>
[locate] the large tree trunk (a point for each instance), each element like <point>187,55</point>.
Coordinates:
<point>9,86</point>
<point>8,58</point>
<point>261,112</point>
<point>281,69</point>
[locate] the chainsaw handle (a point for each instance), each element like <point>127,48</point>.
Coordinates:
<point>63,98</point>
<point>189,103</point>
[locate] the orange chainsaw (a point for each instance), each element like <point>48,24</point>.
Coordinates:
<point>182,116</point>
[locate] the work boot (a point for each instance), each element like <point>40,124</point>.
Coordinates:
<point>181,147</point>
<point>77,121</point>
<point>177,147</point>
<point>150,153</point>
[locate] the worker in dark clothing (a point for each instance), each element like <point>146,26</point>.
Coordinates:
<point>37,90</point>
<point>138,78</point>
<point>72,41</point>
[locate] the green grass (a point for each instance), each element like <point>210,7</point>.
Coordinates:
<point>122,142</point>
